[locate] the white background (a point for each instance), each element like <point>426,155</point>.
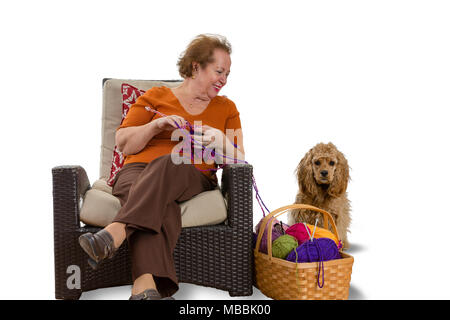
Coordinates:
<point>373,77</point>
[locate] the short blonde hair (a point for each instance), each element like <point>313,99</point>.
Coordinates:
<point>201,50</point>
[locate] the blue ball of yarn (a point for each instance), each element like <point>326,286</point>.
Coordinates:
<point>322,249</point>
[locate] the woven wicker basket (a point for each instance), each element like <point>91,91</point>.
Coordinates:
<point>284,280</point>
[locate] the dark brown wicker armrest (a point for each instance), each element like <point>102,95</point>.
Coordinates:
<point>70,183</point>
<point>238,190</point>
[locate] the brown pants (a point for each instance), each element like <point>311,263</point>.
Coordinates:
<point>149,195</point>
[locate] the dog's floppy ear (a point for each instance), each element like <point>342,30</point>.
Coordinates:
<point>305,175</point>
<point>341,175</point>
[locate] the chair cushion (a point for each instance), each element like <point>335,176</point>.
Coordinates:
<point>100,207</point>
<point>129,97</point>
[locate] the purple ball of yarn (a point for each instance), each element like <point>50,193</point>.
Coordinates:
<point>278,230</point>
<point>322,249</point>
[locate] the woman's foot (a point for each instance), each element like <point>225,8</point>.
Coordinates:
<point>144,288</point>
<point>149,294</point>
<point>143,282</point>
<point>103,244</point>
<point>99,246</point>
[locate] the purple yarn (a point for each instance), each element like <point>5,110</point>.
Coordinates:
<point>322,249</point>
<point>317,250</point>
<point>278,230</point>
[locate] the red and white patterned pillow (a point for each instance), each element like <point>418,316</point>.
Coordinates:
<point>129,97</point>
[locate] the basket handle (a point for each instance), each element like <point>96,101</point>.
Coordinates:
<point>278,212</point>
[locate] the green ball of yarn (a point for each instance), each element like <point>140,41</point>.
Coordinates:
<point>283,245</point>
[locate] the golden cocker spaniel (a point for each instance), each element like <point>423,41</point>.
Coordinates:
<point>323,175</point>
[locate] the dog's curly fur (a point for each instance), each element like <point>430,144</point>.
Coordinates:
<point>323,175</point>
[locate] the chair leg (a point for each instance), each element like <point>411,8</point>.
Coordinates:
<point>241,292</point>
<point>74,296</point>
<point>68,266</point>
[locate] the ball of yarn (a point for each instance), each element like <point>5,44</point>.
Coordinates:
<point>299,232</point>
<point>322,249</point>
<point>283,245</point>
<point>323,233</point>
<point>277,231</point>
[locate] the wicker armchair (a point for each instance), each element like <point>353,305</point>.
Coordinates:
<point>218,256</point>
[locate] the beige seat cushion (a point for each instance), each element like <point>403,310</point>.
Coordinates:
<point>100,207</point>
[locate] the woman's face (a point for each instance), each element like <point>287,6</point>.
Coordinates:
<point>214,76</point>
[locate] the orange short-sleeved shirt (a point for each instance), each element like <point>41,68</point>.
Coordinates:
<point>221,113</point>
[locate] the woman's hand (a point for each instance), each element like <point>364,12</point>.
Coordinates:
<point>213,138</point>
<point>170,123</point>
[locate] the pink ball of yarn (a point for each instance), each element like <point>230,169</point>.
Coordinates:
<point>299,232</point>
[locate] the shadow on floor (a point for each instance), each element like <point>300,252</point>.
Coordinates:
<point>355,248</point>
<point>355,293</point>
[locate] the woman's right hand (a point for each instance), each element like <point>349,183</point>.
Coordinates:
<point>170,122</point>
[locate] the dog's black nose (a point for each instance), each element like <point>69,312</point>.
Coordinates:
<point>324,173</point>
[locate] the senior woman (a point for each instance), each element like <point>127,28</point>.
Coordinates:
<point>151,184</point>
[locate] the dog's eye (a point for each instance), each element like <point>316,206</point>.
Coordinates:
<point>317,163</point>
<point>331,163</point>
